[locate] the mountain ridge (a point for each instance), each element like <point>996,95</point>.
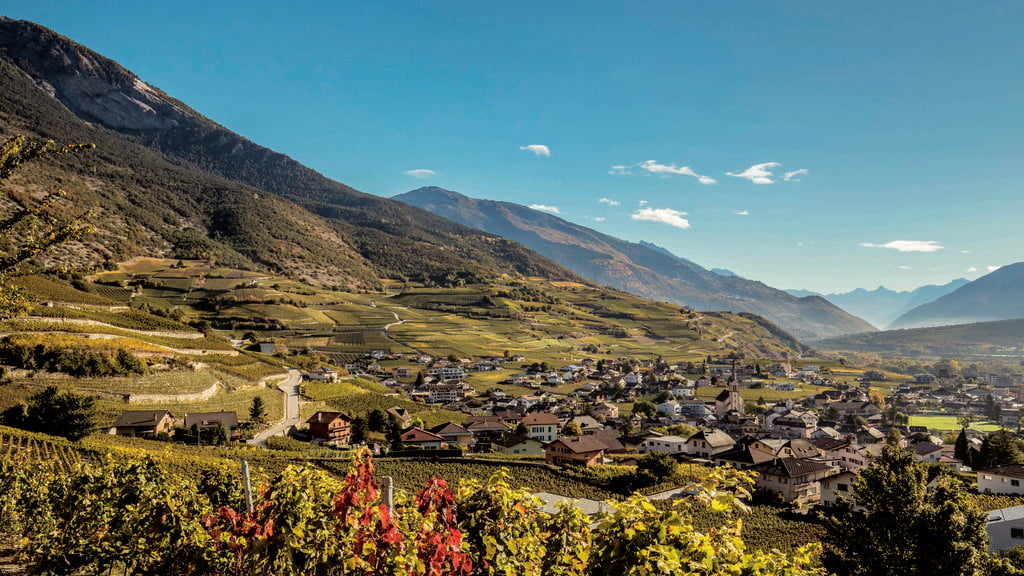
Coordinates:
<point>638,268</point>
<point>998,295</point>
<point>882,306</point>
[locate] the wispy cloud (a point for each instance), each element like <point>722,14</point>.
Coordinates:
<point>537,149</point>
<point>543,208</point>
<point>758,173</point>
<point>741,212</point>
<point>598,219</point>
<point>663,215</point>
<point>653,167</point>
<point>642,202</point>
<point>972,269</point>
<point>905,268</point>
<point>993,268</point>
<point>792,176</point>
<point>620,170</point>
<point>907,245</point>
<point>420,173</point>
<point>965,251</point>
<point>608,201</point>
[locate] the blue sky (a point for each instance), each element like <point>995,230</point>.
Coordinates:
<point>899,124</point>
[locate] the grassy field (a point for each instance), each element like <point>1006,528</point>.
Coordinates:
<point>948,423</point>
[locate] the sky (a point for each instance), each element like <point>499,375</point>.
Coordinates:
<point>815,145</point>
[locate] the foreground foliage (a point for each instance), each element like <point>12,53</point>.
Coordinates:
<point>134,516</point>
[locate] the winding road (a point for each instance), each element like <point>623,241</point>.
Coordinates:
<point>290,387</point>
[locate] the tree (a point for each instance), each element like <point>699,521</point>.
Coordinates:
<point>258,410</point>
<point>572,428</point>
<point>377,420</point>
<point>359,430</point>
<point>657,467</point>
<point>522,429</point>
<point>998,449</point>
<point>54,412</point>
<point>644,408</point>
<point>35,224</point>
<point>905,530</point>
<point>962,448</point>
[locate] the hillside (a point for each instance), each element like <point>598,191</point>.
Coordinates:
<point>882,306</point>
<point>998,295</point>
<point>638,268</point>
<point>1003,340</point>
<point>168,181</point>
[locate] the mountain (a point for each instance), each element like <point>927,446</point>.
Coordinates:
<point>167,181</point>
<point>998,295</point>
<point>1003,340</point>
<point>639,268</point>
<point>882,306</point>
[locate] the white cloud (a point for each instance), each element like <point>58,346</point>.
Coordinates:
<point>653,167</point>
<point>608,201</point>
<point>619,171</point>
<point>421,173</point>
<point>741,212</point>
<point>993,268</point>
<point>598,219</point>
<point>905,268</point>
<point>965,251</point>
<point>792,176</point>
<point>907,245</point>
<point>543,208</point>
<point>663,215</point>
<point>758,173</point>
<point>537,149</point>
<point>972,269</point>
<point>642,202</point>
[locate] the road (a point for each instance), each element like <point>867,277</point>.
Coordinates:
<point>290,387</point>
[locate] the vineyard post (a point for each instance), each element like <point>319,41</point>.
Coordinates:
<point>248,485</point>
<point>388,488</point>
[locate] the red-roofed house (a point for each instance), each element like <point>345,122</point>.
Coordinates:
<point>578,450</point>
<point>330,427</point>
<point>419,437</point>
<point>541,426</point>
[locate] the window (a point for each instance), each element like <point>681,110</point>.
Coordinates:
<point>1014,482</point>
<point>1016,532</point>
<point>843,487</point>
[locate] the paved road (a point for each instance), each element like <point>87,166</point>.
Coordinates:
<point>290,387</point>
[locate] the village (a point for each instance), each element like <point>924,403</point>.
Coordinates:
<point>807,452</point>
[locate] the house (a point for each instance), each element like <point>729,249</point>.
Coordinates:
<point>144,423</point>
<point>322,374</point>
<point>403,372</point>
<point>454,435</point>
<point>484,427</point>
<point>508,443</point>
<point>542,426</point>
<point>854,409</point>
<point>926,452</point>
<point>400,413</point>
<point>575,450</point>
<point>587,423</point>
<point>1006,479</point>
<point>330,427</point>
<point>204,420</point>
<point>837,485</point>
<point>415,436</point>
<point>841,453</point>
<point>742,457</point>
<point>605,409</point>
<point>798,481</point>
<point>1005,528</point>
<point>707,443</point>
<point>669,444</point>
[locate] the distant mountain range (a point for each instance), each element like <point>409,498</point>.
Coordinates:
<point>882,306</point>
<point>641,268</point>
<point>1003,339</point>
<point>998,295</point>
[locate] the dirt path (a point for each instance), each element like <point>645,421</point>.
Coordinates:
<point>86,322</point>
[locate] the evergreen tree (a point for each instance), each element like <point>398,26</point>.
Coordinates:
<point>360,428</point>
<point>905,530</point>
<point>377,420</point>
<point>258,410</point>
<point>999,448</point>
<point>962,450</point>
<point>54,412</point>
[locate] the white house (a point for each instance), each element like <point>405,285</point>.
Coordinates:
<point>1005,528</point>
<point>542,426</point>
<point>1002,479</point>
<point>670,444</point>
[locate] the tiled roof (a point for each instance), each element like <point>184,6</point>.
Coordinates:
<point>540,419</point>
<point>580,444</point>
<point>791,467</point>
<point>140,418</point>
<point>1009,470</point>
